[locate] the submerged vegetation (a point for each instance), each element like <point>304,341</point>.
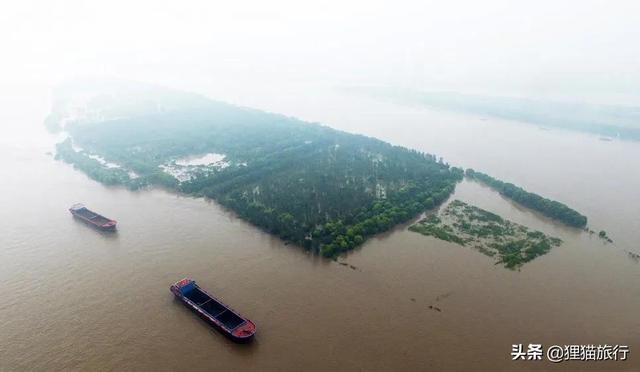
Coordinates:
<point>510,243</point>
<point>320,188</point>
<point>603,235</point>
<point>83,160</point>
<point>547,207</point>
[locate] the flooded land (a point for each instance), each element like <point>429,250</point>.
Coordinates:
<point>78,299</point>
<point>510,243</point>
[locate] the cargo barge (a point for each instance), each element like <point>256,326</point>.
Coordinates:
<point>212,310</point>
<point>92,218</point>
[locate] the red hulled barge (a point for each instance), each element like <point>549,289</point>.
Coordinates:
<point>212,310</point>
<point>92,218</point>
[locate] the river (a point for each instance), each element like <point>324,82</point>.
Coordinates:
<point>77,299</point>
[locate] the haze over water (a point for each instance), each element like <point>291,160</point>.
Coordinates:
<point>77,299</point>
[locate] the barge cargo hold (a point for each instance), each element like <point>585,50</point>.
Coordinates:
<point>212,310</point>
<point>92,218</point>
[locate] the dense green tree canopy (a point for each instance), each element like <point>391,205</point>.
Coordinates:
<point>548,207</point>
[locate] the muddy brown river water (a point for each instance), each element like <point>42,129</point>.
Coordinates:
<point>77,299</point>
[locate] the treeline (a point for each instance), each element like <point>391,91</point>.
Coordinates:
<point>336,235</point>
<point>547,207</point>
<point>113,176</point>
<point>331,198</point>
<point>91,167</point>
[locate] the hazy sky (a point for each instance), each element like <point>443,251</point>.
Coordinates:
<point>572,48</point>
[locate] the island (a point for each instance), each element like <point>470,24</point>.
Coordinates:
<point>316,187</point>
<point>550,208</point>
<point>509,243</point>
<point>319,188</point>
